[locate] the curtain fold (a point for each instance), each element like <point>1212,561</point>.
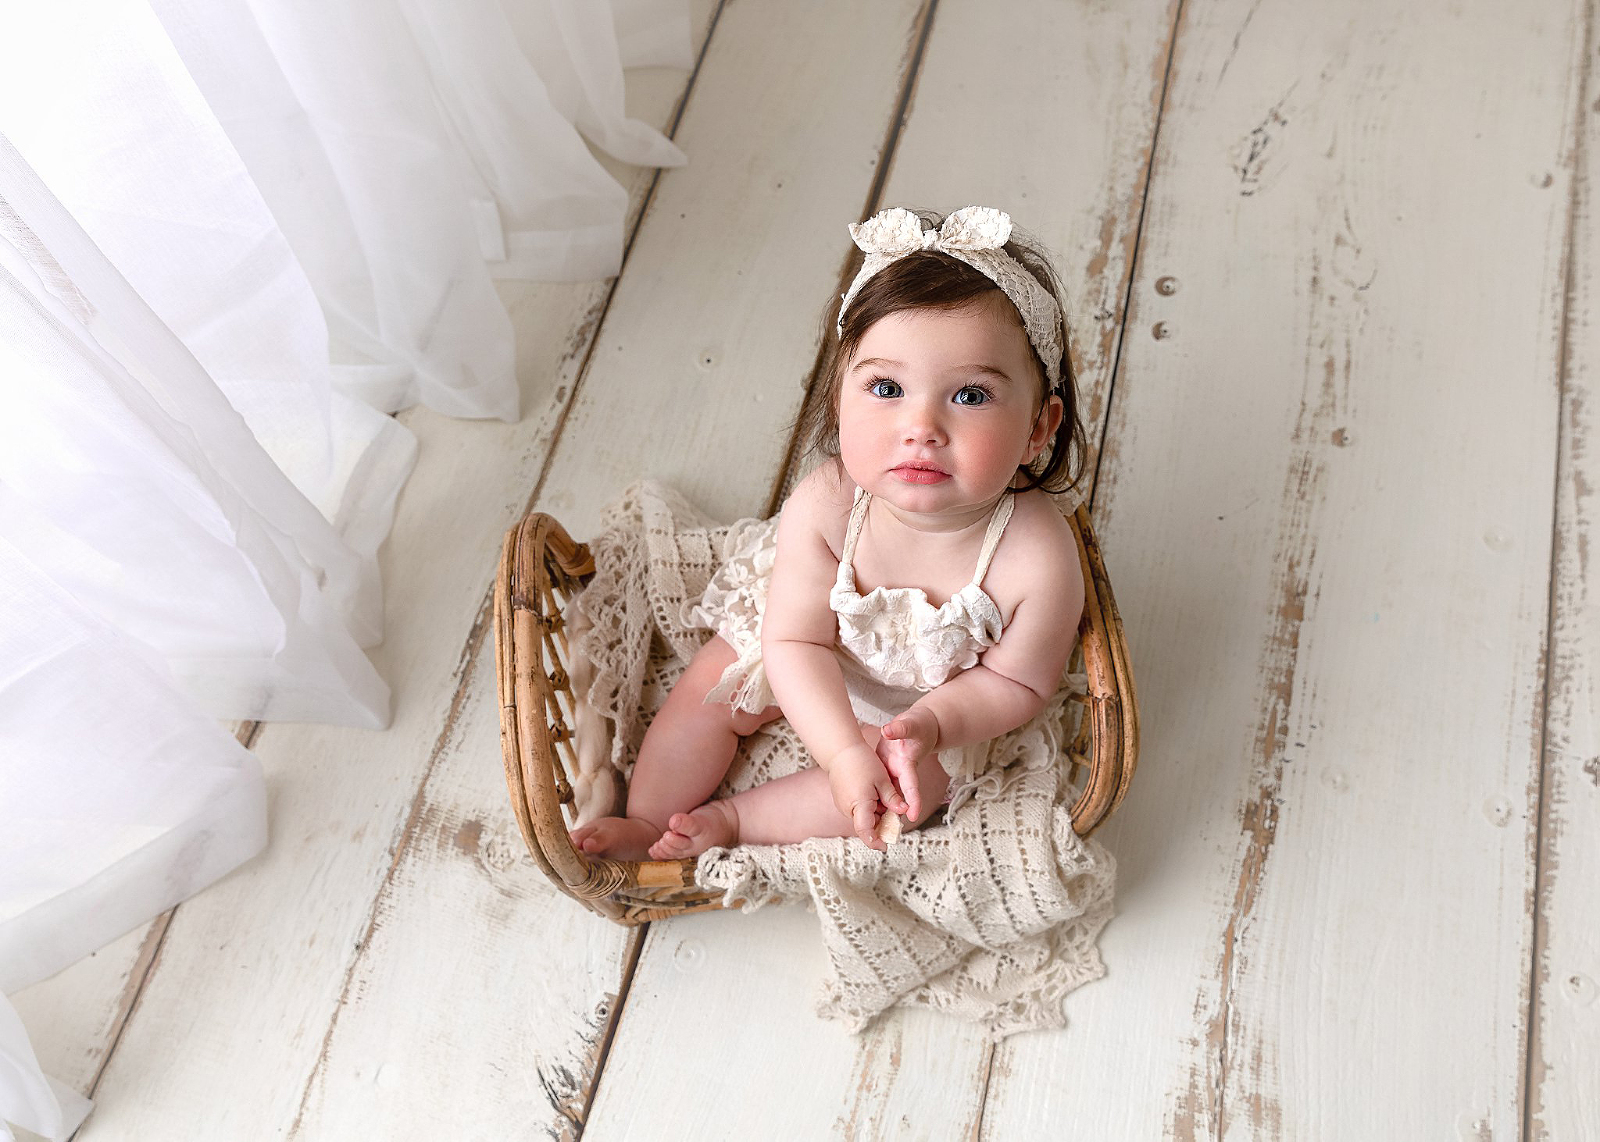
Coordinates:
<point>130,479</point>
<point>29,1098</point>
<point>234,236</point>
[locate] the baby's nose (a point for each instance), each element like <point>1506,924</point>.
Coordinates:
<point>923,426</point>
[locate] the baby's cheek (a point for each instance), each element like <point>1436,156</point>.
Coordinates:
<point>1000,453</point>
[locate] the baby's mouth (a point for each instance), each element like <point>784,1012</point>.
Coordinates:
<point>920,472</point>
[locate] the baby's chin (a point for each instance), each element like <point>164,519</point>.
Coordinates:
<point>938,499</point>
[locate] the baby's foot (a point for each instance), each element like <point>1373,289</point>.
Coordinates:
<point>621,838</point>
<point>690,834</point>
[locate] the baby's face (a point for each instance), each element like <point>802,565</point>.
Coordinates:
<point>937,409</point>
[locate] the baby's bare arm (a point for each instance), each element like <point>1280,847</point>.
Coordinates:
<point>977,705</point>
<point>797,636</point>
<point>1016,677</point>
<point>798,626</point>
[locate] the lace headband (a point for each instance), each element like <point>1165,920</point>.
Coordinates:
<point>975,235</point>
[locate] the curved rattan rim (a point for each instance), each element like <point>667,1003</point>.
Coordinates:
<point>538,556</point>
<point>538,553</point>
<point>1113,706</point>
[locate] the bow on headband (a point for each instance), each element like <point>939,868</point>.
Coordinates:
<point>897,231</point>
<point>977,236</point>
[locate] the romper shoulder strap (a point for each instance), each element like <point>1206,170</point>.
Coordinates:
<point>858,515</point>
<point>991,539</point>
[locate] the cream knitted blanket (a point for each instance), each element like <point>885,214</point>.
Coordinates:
<point>991,915</point>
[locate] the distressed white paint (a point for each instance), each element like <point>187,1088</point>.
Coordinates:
<point>482,994</point>
<point>713,331</point>
<point>1377,985</point>
<point>1329,512</point>
<point>1564,1097</point>
<point>252,972</point>
<point>718,1040</point>
<point>1054,128</point>
<point>73,1017</point>
<point>720,309</point>
<point>1068,159</point>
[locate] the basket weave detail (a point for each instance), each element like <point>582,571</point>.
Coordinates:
<point>541,567</point>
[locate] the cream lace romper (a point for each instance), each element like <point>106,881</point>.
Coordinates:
<point>894,645</point>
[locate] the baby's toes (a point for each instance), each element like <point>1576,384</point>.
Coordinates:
<point>689,825</point>
<point>672,846</point>
<point>686,824</point>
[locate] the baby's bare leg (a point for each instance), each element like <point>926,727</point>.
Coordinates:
<point>783,811</point>
<point>683,758</point>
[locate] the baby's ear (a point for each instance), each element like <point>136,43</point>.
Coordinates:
<point>1044,426</point>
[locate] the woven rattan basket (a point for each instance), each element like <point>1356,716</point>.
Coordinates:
<point>541,567</point>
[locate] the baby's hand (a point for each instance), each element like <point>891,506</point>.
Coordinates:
<point>908,739</point>
<point>861,788</point>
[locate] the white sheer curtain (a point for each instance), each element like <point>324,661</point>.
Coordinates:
<point>234,234</point>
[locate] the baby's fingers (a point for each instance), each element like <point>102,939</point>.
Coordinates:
<point>911,795</point>
<point>864,815</point>
<point>889,793</point>
<point>916,725</point>
<point>905,795</point>
<point>901,730</point>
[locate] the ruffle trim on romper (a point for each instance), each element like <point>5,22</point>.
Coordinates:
<point>992,915</point>
<point>732,605</point>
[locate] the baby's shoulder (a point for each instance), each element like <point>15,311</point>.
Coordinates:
<point>1038,528</point>
<point>1038,550</point>
<point>820,504</point>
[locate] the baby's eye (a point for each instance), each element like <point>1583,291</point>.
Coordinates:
<point>884,387</point>
<point>972,394</point>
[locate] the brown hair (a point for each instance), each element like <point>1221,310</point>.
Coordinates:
<point>928,279</point>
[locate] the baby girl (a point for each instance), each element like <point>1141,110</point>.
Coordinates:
<point>925,591</point>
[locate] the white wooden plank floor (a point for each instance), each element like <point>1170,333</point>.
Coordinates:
<point>1334,296</point>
